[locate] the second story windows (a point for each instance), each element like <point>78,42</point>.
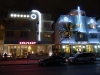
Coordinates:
<point>93,35</point>
<point>23,34</point>
<point>92,26</point>
<point>9,33</point>
<point>47,24</point>
<point>47,35</point>
<point>17,22</point>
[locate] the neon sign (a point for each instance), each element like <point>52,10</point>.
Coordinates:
<point>40,23</point>
<point>33,16</point>
<point>27,42</point>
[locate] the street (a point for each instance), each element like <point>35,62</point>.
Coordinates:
<point>67,69</point>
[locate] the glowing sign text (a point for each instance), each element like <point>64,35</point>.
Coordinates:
<point>27,42</point>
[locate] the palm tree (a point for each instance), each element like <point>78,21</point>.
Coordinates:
<point>67,31</point>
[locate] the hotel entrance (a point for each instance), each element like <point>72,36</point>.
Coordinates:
<point>90,48</point>
<point>24,51</point>
<point>78,48</point>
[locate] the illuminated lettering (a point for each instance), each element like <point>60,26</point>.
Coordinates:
<point>27,42</point>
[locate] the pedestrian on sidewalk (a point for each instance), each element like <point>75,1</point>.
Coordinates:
<point>5,56</point>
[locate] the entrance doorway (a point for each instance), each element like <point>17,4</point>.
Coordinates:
<point>13,51</point>
<point>78,48</point>
<point>24,51</point>
<point>89,48</point>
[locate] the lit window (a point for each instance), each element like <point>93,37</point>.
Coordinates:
<point>77,25</point>
<point>47,35</point>
<point>92,26</point>
<point>81,35</point>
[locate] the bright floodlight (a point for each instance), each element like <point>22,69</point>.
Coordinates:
<point>14,15</point>
<point>27,15</point>
<point>18,15</point>
<point>21,15</point>
<point>65,19</point>
<point>11,15</point>
<point>24,15</point>
<point>91,20</point>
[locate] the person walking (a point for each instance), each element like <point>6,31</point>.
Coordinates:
<point>5,56</point>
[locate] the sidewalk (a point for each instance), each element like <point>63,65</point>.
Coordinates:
<point>19,62</point>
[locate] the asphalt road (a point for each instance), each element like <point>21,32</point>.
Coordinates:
<point>67,69</point>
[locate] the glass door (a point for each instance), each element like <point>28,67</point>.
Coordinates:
<point>78,48</point>
<point>24,51</point>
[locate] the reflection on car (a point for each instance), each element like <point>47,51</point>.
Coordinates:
<point>82,57</point>
<point>52,60</point>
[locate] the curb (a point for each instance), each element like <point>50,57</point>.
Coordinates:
<point>17,64</point>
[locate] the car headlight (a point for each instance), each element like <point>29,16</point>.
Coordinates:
<point>66,60</point>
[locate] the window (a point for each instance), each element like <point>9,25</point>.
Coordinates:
<point>98,29</point>
<point>92,26</point>
<point>47,24</point>
<point>11,22</point>
<point>93,35</point>
<point>81,35</point>
<point>23,34</point>
<point>24,23</point>
<point>10,33</point>
<point>48,35</point>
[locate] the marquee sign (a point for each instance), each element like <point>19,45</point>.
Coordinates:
<point>27,42</point>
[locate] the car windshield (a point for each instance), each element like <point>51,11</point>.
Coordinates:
<point>75,55</point>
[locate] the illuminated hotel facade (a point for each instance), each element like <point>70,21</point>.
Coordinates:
<point>77,32</point>
<point>28,33</point>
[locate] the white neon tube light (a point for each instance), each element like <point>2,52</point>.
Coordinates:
<point>39,19</point>
<point>79,18</point>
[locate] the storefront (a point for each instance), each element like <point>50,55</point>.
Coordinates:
<point>21,51</point>
<point>82,48</point>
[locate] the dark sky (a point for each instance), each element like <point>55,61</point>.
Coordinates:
<point>54,7</point>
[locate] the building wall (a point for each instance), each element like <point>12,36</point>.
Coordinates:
<point>19,42</point>
<point>84,35</point>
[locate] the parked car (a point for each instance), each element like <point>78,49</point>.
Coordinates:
<point>82,57</point>
<point>52,60</point>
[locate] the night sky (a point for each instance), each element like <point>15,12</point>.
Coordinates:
<point>54,7</point>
